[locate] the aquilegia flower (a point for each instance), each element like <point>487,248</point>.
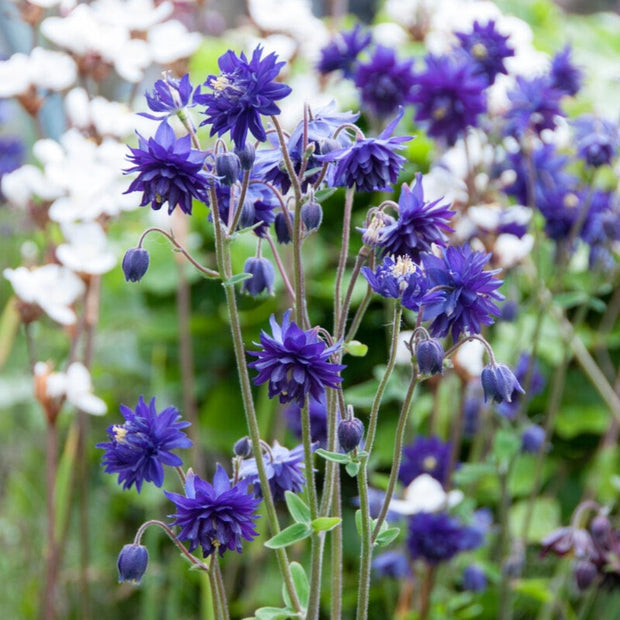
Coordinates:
<point>243,91</point>
<point>565,76</point>
<point>342,51</point>
<point>215,516</point>
<point>169,170</point>
<point>139,448</point>
<point>499,383</point>
<point>426,455</point>
<point>597,139</point>
<point>295,362</point>
<point>169,96</point>
<point>468,291</point>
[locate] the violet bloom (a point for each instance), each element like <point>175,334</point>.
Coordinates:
<point>565,76</point>
<point>597,140</point>
<point>139,448</point>
<point>295,362</point>
<point>12,154</point>
<point>384,81</point>
<point>262,273</point>
<point>426,455</point>
<point>449,96</point>
<point>499,383</point>
<point>242,92</point>
<point>215,516</point>
<point>435,538</point>
<point>169,170</point>
<point>392,564</point>
<point>342,51</point>
<point>468,292</point>
<point>169,96</point>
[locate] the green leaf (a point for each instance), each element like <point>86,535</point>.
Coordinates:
<point>324,524</point>
<point>352,468</point>
<point>239,277</point>
<point>386,536</point>
<point>506,445</point>
<point>335,457</point>
<point>534,588</point>
<point>302,586</point>
<point>545,517</point>
<point>469,473</point>
<point>289,535</point>
<point>356,348</point>
<point>298,509</point>
<point>323,194</point>
<point>275,613</point>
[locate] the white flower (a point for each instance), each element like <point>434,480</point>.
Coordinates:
<point>86,250</point>
<point>51,287</point>
<point>136,15</point>
<point>172,41</point>
<point>27,182</point>
<point>425,494</point>
<point>469,357</point>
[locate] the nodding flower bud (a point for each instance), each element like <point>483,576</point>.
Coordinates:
<point>243,447</point>
<point>532,438</point>
<point>350,433</point>
<point>311,215</point>
<point>499,383</point>
<point>283,232</point>
<point>429,354</point>
<point>227,167</point>
<point>600,528</point>
<point>246,155</point>
<point>132,563</point>
<point>262,278</point>
<point>474,579</point>
<point>585,573</point>
<point>248,215</point>
<point>135,264</point>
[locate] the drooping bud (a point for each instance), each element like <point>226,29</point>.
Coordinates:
<point>132,563</point>
<point>600,528</point>
<point>284,234</point>
<point>350,433</point>
<point>474,579</point>
<point>532,439</point>
<point>246,155</point>
<point>311,215</point>
<point>585,573</point>
<point>227,167</point>
<point>499,383</point>
<point>263,276</point>
<point>429,354</point>
<point>135,264</point>
<point>243,447</point>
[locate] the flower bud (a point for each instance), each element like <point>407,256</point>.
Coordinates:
<point>311,215</point>
<point>243,447</point>
<point>132,563</point>
<point>283,232</point>
<point>585,573</point>
<point>135,264</point>
<point>246,155</point>
<point>600,528</point>
<point>474,579</point>
<point>350,433</point>
<point>227,167</point>
<point>429,354</point>
<point>262,278</point>
<point>499,383</point>
<point>532,438</point>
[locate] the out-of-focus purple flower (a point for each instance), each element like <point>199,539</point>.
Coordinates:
<point>435,537</point>
<point>262,274</point>
<point>449,96</point>
<point>138,449</point>
<point>318,421</point>
<point>169,170</point>
<point>169,96</point>
<point>468,292</point>
<point>393,564</point>
<point>565,76</point>
<point>295,362</point>
<point>597,140</point>
<point>384,81</point>
<point>241,93</point>
<point>427,455</point>
<point>284,469</point>
<point>342,51</point>
<point>570,539</point>
<point>215,516</point>
<point>12,153</point>
<point>499,383</point>
<point>532,438</point>
<point>474,578</point>
<point>487,49</point>
<point>561,208</point>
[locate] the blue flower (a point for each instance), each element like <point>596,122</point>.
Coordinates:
<point>12,153</point>
<point>242,92</point>
<point>169,170</point>
<point>597,140</point>
<point>215,516</point>
<point>384,81</point>
<point>284,469</point>
<point>295,362</point>
<point>435,538</point>
<point>427,455</point>
<point>565,77</point>
<point>139,448</point>
<point>392,564</point>
<point>449,96</point>
<point>532,438</point>
<point>429,354</point>
<point>536,383</point>
<point>342,51</point>
<point>262,278</point>
<point>468,292</point>
<point>371,164</point>
<point>169,96</point>
<point>474,579</point>
<point>499,383</point>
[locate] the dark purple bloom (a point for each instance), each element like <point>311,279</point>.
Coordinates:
<point>371,164</point>
<point>585,572</point>
<point>342,51</point>
<point>426,455</point>
<point>12,154</point>
<point>429,355</point>
<point>215,516</point>
<point>393,276</point>
<point>449,96</point>
<point>139,448</point>
<point>499,383</point>
<point>169,170</point>
<point>242,92</point>
<point>468,292</point>
<point>135,264</point>
<point>565,76</point>
<point>132,562</point>
<point>474,579</point>
<point>419,224</point>
<point>487,49</point>
<point>562,209</point>
<point>169,96</point>
<point>597,139</point>
<point>295,362</point>
<point>284,469</point>
<point>392,564</point>
<point>350,433</point>
<point>435,538</point>
<point>532,438</point>
<point>318,421</point>
<point>227,167</point>
<point>262,278</point>
<point>384,81</point>
<point>534,105</point>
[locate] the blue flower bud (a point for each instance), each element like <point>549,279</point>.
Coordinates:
<point>132,563</point>
<point>262,276</point>
<point>135,264</point>
<point>474,579</point>
<point>248,215</point>
<point>311,215</point>
<point>243,448</point>
<point>585,573</point>
<point>429,354</point>
<point>283,232</point>
<point>227,167</point>
<point>350,433</point>
<point>246,155</point>
<point>600,528</point>
<point>499,383</point>
<point>532,438</point>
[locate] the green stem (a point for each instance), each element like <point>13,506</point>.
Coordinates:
<point>219,585</point>
<point>51,559</point>
<point>336,551</point>
<point>363,587</point>
<point>339,315</point>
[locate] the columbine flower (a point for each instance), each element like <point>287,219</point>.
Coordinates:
<point>597,140</point>
<point>169,96</point>
<point>139,448</point>
<point>425,494</point>
<point>419,224</point>
<point>384,82</point>
<point>371,164</point>
<point>499,383</point>
<point>132,562</point>
<point>429,354</point>
<point>532,438</point>
<point>135,264</point>
<point>86,249</point>
<point>215,516</point>
<point>342,51</point>
<point>262,278</point>
<point>536,383</point>
<point>449,96</point>
<point>565,77</point>
<point>241,93</point>
<point>427,455</point>
<point>391,564</point>
<point>169,171</point>
<point>350,433</point>
<point>468,291</point>
<point>284,469</point>
<point>295,362</point>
